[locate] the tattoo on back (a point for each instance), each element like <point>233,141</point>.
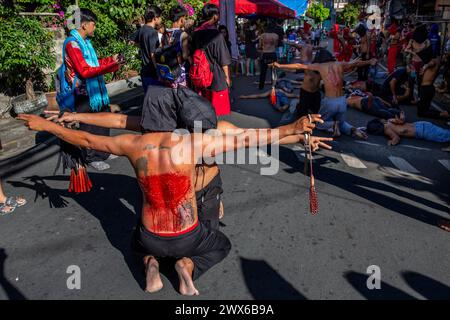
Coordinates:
<point>141,165</point>
<point>186,214</point>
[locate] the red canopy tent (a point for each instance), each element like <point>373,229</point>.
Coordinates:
<point>268,8</point>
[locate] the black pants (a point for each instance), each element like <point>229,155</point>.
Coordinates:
<point>204,246</point>
<point>426,95</point>
<point>82,106</point>
<point>266,59</point>
<point>309,103</point>
<point>208,203</point>
<point>363,72</point>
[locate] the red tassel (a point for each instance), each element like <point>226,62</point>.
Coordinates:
<point>79,181</point>
<point>273,97</point>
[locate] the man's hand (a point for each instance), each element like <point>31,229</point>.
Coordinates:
<point>275,65</point>
<point>394,100</point>
<point>306,124</point>
<point>373,61</point>
<point>317,142</point>
<point>34,122</point>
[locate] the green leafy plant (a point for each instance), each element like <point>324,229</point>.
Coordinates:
<point>318,12</point>
<point>350,14</point>
<point>25,51</point>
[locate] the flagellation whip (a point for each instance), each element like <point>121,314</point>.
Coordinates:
<point>313,202</point>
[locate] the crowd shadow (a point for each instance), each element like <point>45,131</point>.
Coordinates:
<point>386,291</point>
<point>11,291</point>
<point>103,202</point>
<point>425,286</point>
<point>264,283</point>
<point>367,189</point>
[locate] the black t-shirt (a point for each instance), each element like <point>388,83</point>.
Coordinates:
<point>148,42</point>
<point>400,75</point>
<point>216,50</point>
<point>280,32</point>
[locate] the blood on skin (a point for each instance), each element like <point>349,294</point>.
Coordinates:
<point>165,195</point>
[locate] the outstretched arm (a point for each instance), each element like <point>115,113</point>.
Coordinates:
<point>213,144</point>
<point>117,145</point>
<point>101,119</point>
<point>228,128</point>
<point>359,63</point>
<point>296,66</point>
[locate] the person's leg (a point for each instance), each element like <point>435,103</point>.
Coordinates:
<point>152,275</point>
<point>262,76</point>
<point>434,133</point>
<point>82,106</point>
<point>327,111</point>
<point>247,64</point>
<point>256,96</point>
<point>380,111</point>
<point>4,208</point>
<point>2,194</point>
<point>426,94</point>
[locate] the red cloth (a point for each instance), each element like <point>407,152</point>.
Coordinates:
<point>220,100</point>
<point>306,27</point>
<point>392,58</point>
<point>334,35</point>
<point>76,62</point>
<point>270,8</point>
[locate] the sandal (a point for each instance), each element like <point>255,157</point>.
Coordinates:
<point>6,209</point>
<point>15,201</point>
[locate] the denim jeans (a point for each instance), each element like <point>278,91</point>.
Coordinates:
<point>333,109</point>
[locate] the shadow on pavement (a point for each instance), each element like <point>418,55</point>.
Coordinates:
<point>12,292</point>
<point>264,283</point>
<point>104,203</point>
<point>367,189</point>
<point>387,292</point>
<point>426,286</point>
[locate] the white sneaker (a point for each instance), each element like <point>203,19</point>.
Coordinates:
<point>99,165</point>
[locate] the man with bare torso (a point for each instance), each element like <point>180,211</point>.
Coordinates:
<point>164,163</point>
<point>334,105</point>
<point>421,48</point>
<point>395,128</point>
<point>268,43</point>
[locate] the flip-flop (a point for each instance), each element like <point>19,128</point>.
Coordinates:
<point>15,201</point>
<point>6,209</point>
<point>444,224</point>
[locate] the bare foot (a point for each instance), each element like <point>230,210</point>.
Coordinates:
<point>221,211</point>
<point>336,131</point>
<point>359,134</point>
<point>152,277</point>
<point>444,224</point>
<point>184,268</point>
<point>447,149</point>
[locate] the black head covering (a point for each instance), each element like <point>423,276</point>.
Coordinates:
<point>426,54</point>
<point>376,127</point>
<point>166,109</point>
<point>420,34</point>
<point>323,56</point>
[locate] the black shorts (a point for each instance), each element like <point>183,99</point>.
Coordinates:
<point>208,202</point>
<point>309,103</point>
<point>204,246</point>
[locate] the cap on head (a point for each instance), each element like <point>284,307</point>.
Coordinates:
<point>323,56</point>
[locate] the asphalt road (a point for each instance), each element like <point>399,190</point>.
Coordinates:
<point>372,211</point>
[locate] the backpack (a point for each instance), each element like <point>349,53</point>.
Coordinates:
<point>200,72</point>
<point>166,58</point>
<point>65,94</point>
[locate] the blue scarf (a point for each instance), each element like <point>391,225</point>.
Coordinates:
<point>98,94</point>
